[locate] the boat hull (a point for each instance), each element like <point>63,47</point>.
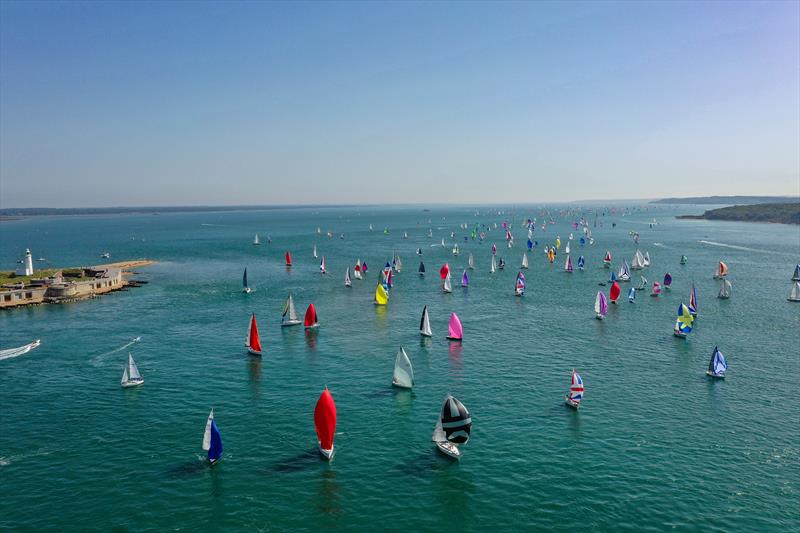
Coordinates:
<point>133,383</point>
<point>713,375</point>
<point>571,403</point>
<point>313,326</point>
<point>449,449</point>
<point>291,323</point>
<point>428,335</point>
<point>247,290</point>
<point>400,385</point>
<point>454,339</point>
<point>253,352</point>
<point>679,334</point>
<point>326,454</point>
<point>598,316</point>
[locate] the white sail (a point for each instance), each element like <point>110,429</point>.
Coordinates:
<point>124,379</point>
<point>315,251</point>
<point>443,244</point>
<point>471,261</point>
<point>448,286</point>
<point>425,325</point>
<point>207,434</point>
<point>646,260</point>
<point>525,260</point>
<point>493,268</point>
<point>403,372</point>
<point>597,304</point>
<point>794,295</point>
<point>638,261</point>
<point>438,433</point>
<point>725,289</point>
<point>347,281</point>
<point>291,313</point>
<point>566,250</point>
<point>133,370</point>
<point>256,240</point>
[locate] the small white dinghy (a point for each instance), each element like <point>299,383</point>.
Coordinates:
<point>452,427</point>
<point>347,282</point>
<point>403,375</point>
<point>794,294</point>
<point>131,376</point>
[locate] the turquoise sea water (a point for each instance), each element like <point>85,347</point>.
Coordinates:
<point>656,445</point>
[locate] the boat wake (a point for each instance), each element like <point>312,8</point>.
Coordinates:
<point>96,360</point>
<point>733,246</point>
<point>16,352</point>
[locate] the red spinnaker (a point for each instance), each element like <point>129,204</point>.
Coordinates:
<point>254,341</point>
<point>288,259</point>
<point>325,419</point>
<point>311,316</point>
<point>613,294</point>
<point>444,270</point>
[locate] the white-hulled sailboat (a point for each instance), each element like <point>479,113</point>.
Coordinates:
<point>256,240</point>
<point>131,376</point>
<point>600,305</point>
<point>717,366</point>
<point>289,317</point>
<point>576,390</point>
<point>794,294</point>
<point>347,282</point>
<point>471,262</point>
<point>524,260</point>
<point>245,288</point>
<point>403,375</point>
<point>447,286</point>
<point>638,261</point>
<point>724,289</point>
<point>315,251</point>
<point>452,427</point>
<point>493,267</point>
<point>425,323</point>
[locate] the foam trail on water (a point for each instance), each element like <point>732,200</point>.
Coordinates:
<point>98,358</point>
<point>723,245</point>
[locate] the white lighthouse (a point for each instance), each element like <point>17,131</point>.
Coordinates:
<point>27,265</point>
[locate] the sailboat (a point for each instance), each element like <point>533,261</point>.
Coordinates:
<point>494,249</point>
<point>131,376</point>
<point>721,271</point>
<point>501,264</point>
<point>717,366</point>
<point>794,294</point>
<point>311,320</point>
<point>568,265</point>
<point>405,235</point>
<point>454,330</point>
<point>566,250</point>
<point>212,440</point>
<point>447,286</point>
<point>607,260</point>
<point>322,266</point>
<point>656,289</point>
<point>724,289</point>
<point>419,251</point>
<point>245,288</point>
<point>613,278</point>
<point>638,261</point>
<point>464,279</point>
<point>581,263</point>
<point>646,260</point>
<point>519,284</point>
<point>421,269</point>
<point>524,260</point>
<point>642,283</point>
<point>256,240</point>
<point>403,375</point>
<point>347,281</point>
<point>289,316</point>
<point>693,302</point>
<point>381,295</point>
<point>600,305</point>
<point>632,295</point>
<point>684,259</point>
<point>493,266</point>
<point>315,251</point>
<point>456,251</point>
<point>614,292</point>
<point>471,262</point>
<point>425,323</point>
<point>253,343</point>
<point>576,389</point>
<point>683,324</point>
<point>796,274</point>
<point>325,423</point>
<point>667,281</point>
<point>288,257</point>
<point>624,272</point>
<point>443,244</point>
<point>452,427</point>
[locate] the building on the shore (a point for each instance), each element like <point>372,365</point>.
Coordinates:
<point>62,287</point>
<point>27,265</point>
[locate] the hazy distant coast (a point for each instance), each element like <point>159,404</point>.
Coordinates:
<point>728,200</point>
<point>781,213</point>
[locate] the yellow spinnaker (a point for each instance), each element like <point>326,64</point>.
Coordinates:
<point>381,296</point>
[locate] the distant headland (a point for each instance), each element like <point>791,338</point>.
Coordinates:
<point>728,200</point>
<point>781,213</point>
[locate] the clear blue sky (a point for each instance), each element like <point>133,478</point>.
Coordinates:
<point>105,104</point>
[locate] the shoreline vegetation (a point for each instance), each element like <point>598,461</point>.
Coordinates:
<point>778,213</point>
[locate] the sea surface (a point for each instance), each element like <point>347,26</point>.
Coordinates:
<point>655,446</point>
